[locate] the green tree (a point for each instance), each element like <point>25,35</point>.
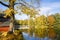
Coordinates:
<point>57,25</point>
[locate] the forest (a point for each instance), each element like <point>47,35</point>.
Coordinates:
<point>40,26</point>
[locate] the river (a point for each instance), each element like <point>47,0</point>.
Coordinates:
<point>27,37</point>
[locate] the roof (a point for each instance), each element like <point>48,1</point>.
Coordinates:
<point>4,21</point>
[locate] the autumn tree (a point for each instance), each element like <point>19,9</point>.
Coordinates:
<point>50,24</point>
<point>40,26</point>
<point>57,25</point>
<point>10,11</point>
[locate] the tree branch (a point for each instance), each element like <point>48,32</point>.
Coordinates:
<point>4,4</point>
<point>19,3</point>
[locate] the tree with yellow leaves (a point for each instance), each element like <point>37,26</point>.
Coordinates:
<point>10,11</point>
<point>50,20</point>
<point>51,32</point>
<point>28,11</point>
<point>40,26</point>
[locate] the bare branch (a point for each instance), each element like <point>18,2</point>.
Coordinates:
<point>23,4</point>
<point>19,3</point>
<point>4,4</point>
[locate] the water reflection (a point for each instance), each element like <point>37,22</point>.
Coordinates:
<point>19,35</point>
<point>27,37</point>
<point>41,34</point>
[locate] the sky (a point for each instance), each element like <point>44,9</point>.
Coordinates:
<point>50,7</point>
<point>46,7</point>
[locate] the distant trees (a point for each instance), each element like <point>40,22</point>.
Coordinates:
<point>40,26</point>
<point>50,22</point>
<point>57,25</point>
<point>47,26</point>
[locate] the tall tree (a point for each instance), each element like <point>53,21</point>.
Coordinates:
<point>11,8</point>
<point>57,25</point>
<point>10,11</point>
<point>51,21</point>
<point>40,26</point>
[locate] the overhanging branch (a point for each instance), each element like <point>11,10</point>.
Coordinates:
<point>23,4</point>
<point>19,3</point>
<point>4,4</point>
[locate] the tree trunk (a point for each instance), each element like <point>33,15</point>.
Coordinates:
<point>11,6</point>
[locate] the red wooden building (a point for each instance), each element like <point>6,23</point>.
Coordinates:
<point>4,23</point>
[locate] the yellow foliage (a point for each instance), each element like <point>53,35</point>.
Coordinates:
<point>8,12</point>
<point>50,19</point>
<point>29,11</point>
<point>40,26</point>
<point>41,20</point>
<point>4,33</point>
<point>40,32</point>
<point>51,33</point>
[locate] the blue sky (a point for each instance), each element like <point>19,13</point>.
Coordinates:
<point>50,6</point>
<point>46,7</point>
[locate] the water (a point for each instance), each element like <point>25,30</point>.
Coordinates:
<point>27,37</point>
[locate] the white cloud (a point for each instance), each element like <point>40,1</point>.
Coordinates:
<point>44,10</point>
<point>49,8</point>
<point>55,5</point>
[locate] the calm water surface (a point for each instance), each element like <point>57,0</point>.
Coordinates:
<point>27,37</point>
